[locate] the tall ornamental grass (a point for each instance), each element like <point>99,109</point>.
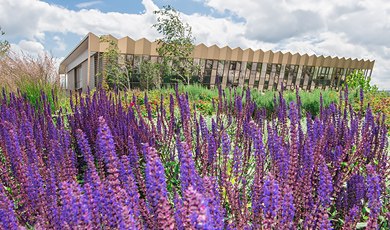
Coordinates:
<point>102,165</point>
<point>29,75</point>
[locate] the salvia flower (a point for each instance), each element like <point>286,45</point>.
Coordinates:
<point>106,148</point>
<point>325,185</point>
<point>288,209</point>
<point>188,174</point>
<point>374,191</point>
<point>7,215</point>
<point>196,212</point>
<point>271,197</point>
<point>155,184</point>
<point>352,218</point>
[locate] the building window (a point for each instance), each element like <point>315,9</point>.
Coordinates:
<point>207,72</point>
<point>78,78</point>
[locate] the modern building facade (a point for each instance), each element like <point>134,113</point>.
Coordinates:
<point>235,67</point>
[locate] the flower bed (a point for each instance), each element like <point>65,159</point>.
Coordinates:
<point>106,165</point>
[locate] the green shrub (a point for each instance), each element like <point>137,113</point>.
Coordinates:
<point>203,97</point>
<point>357,80</point>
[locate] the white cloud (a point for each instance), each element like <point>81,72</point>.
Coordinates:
<point>32,18</point>
<point>60,44</point>
<point>349,28</point>
<point>30,47</point>
<point>355,29</point>
<point>88,4</point>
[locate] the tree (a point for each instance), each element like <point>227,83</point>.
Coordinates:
<point>4,45</point>
<point>117,71</point>
<point>150,74</point>
<point>357,80</point>
<point>176,45</point>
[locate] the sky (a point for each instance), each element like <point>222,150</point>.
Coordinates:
<point>348,28</point>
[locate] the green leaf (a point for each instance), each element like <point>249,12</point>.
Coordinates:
<point>171,163</point>
<point>361,225</point>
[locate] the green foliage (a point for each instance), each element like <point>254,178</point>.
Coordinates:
<point>202,97</point>
<point>4,45</point>
<point>151,73</point>
<point>176,45</point>
<point>264,100</point>
<point>310,100</point>
<point>357,80</point>
<point>117,71</point>
<point>198,92</point>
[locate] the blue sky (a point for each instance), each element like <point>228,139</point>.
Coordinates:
<point>349,28</point>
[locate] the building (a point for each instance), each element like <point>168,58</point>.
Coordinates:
<point>236,67</point>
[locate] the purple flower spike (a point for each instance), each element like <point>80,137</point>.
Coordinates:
<point>271,196</point>
<point>211,195</point>
<point>325,185</point>
<point>374,191</point>
<point>155,177</point>
<point>188,174</point>
<point>352,218</point>
<point>165,219</point>
<point>324,222</point>
<point>237,162</point>
<point>7,215</point>
<point>196,211</point>
<point>225,145</point>
<point>106,147</point>
<point>157,189</point>
<point>288,209</point>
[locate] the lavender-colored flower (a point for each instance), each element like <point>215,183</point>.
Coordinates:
<point>133,154</point>
<point>374,191</point>
<point>226,148</point>
<point>237,162</point>
<point>212,196</point>
<point>324,222</point>
<point>106,147</point>
<point>74,211</point>
<point>156,186</point>
<point>203,127</point>
<point>92,202</point>
<point>111,210</point>
<point>352,218</point>
<point>355,190</point>
<point>155,176</point>
<point>147,105</point>
<point>165,219</point>
<point>258,145</point>
<point>325,188</point>
<point>211,149</point>
<point>196,212</point>
<point>288,208</point>
<point>7,214</point>
<point>86,152</point>
<point>179,211</point>
<point>271,196</point>
<point>188,174</point>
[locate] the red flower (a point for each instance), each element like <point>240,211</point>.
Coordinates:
<point>132,103</point>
